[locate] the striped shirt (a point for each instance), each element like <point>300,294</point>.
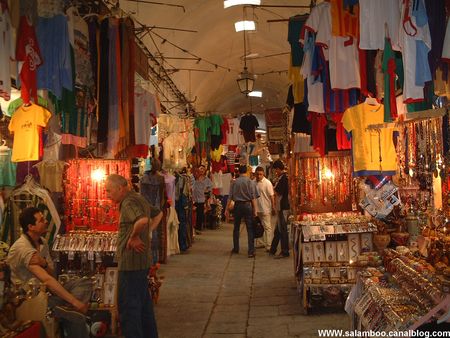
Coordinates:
<point>132,208</point>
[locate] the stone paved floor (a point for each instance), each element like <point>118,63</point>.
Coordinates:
<point>211,293</point>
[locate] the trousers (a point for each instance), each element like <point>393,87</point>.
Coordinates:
<point>243,211</point>
<point>81,288</point>
<point>266,220</point>
<point>136,314</point>
<point>281,234</point>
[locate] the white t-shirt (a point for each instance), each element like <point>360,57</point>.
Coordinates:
<point>342,52</point>
<point>377,19</point>
<point>143,102</point>
<point>7,54</point>
<point>264,202</point>
<point>413,60</point>
<point>19,257</point>
<point>234,135</point>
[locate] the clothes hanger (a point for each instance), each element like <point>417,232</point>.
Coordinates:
<point>371,101</point>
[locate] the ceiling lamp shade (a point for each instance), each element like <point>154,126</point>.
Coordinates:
<point>245,26</point>
<point>255,93</point>
<point>229,3</point>
<point>245,82</point>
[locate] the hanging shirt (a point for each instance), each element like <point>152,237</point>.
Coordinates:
<point>56,70</point>
<point>415,43</point>
<point>373,151</point>
<point>79,32</point>
<point>216,123</point>
<point>233,132</point>
<point>169,180</point>
<point>28,52</point>
<point>224,129</point>
<point>203,124</point>
<point>51,174</point>
<point>7,54</point>
<point>248,124</point>
<point>24,124</point>
<point>342,53</point>
<point>7,169</point>
<point>142,119</point>
<point>379,19</point>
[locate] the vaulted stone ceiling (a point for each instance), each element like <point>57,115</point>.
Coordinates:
<point>215,42</point>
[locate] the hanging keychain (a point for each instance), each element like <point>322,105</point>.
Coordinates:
<point>379,150</point>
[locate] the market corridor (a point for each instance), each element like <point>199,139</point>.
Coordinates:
<point>209,293</point>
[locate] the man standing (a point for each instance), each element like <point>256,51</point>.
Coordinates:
<point>282,195</point>
<point>29,257</point>
<point>202,185</point>
<point>265,205</point>
<point>137,219</point>
<point>244,194</point>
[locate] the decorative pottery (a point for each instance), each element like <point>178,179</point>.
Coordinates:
<point>400,238</point>
<point>381,241</point>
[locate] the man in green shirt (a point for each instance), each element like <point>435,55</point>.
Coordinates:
<point>137,219</point>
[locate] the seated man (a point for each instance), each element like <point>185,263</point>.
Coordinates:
<point>29,257</point>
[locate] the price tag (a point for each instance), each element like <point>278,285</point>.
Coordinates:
<point>91,255</point>
<point>71,255</point>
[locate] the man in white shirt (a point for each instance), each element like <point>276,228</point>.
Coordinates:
<point>29,257</point>
<point>265,206</point>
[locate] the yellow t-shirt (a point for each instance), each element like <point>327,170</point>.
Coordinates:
<point>24,124</point>
<point>216,154</point>
<point>366,144</point>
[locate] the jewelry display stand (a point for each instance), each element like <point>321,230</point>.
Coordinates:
<point>326,253</point>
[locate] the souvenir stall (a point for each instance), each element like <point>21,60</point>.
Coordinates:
<point>389,126</point>
<point>77,106</point>
<point>329,233</point>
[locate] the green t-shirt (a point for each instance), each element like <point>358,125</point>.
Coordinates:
<point>203,124</point>
<point>132,208</point>
<point>14,105</point>
<point>216,122</point>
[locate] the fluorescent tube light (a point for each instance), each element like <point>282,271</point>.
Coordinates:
<point>255,93</point>
<point>229,3</point>
<point>245,26</point>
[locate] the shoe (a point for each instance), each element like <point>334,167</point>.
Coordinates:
<point>251,255</point>
<point>281,256</point>
<point>271,254</point>
<point>70,314</point>
<point>234,251</point>
<point>259,246</point>
<point>198,232</point>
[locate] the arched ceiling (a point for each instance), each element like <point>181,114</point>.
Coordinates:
<point>214,89</point>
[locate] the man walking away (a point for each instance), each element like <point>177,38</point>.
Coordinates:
<point>244,193</point>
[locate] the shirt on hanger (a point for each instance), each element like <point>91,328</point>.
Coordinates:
<point>7,169</point>
<point>51,174</point>
<point>373,150</point>
<point>203,124</point>
<point>7,54</point>
<point>216,123</point>
<point>248,124</point>
<point>27,51</point>
<point>24,124</point>
<point>233,132</point>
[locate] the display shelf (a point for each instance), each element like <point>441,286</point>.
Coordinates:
<point>326,255</point>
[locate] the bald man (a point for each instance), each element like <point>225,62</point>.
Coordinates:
<point>137,219</point>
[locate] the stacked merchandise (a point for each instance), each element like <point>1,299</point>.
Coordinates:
<point>402,295</point>
<point>328,252</point>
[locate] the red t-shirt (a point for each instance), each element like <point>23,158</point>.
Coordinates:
<point>27,51</point>
<point>225,129</point>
